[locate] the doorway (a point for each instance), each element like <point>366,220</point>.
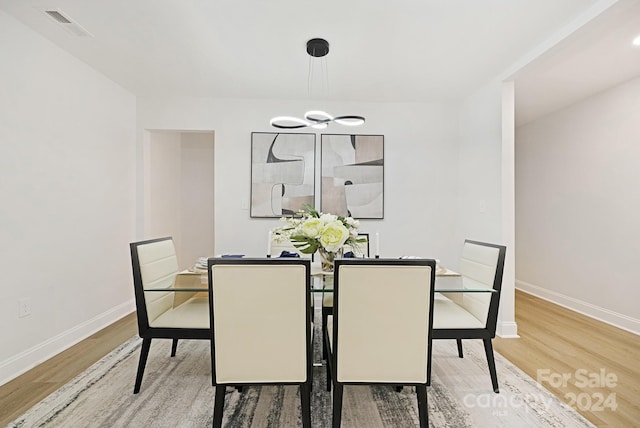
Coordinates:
<point>179,191</point>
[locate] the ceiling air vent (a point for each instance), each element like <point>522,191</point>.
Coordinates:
<point>58,16</point>
<point>67,23</point>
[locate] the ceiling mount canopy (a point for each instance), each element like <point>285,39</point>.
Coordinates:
<point>316,48</point>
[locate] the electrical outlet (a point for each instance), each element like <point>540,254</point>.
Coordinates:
<point>24,308</point>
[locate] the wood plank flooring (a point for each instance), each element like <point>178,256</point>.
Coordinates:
<point>600,363</point>
<point>553,341</point>
<point>20,394</point>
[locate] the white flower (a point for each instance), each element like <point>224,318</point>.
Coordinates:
<point>311,227</point>
<point>327,231</point>
<point>334,236</point>
<point>328,218</point>
<point>353,223</point>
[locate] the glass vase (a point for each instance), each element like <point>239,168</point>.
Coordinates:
<point>327,258</point>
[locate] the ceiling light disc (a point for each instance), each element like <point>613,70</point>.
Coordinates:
<point>350,120</point>
<point>318,116</point>
<point>288,122</point>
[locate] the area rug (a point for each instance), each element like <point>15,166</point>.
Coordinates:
<point>177,392</point>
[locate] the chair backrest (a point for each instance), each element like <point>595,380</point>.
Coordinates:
<point>261,320</point>
<point>361,250</point>
<point>382,321</point>
<point>155,265</point>
<point>482,266</point>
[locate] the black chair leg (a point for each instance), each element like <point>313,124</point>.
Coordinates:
<point>305,404</point>
<point>174,347</point>
<point>325,315</point>
<point>218,406</point>
<point>144,353</point>
<point>423,408</point>
<point>488,349</point>
<point>459,342</point>
<point>329,373</point>
<point>429,355</point>
<point>213,382</point>
<point>337,405</point>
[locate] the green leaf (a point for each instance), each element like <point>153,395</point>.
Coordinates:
<point>305,244</point>
<point>311,211</point>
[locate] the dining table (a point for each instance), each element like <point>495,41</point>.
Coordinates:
<point>194,279</point>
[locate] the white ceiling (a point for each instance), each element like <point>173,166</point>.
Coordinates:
<point>595,57</point>
<point>405,50</point>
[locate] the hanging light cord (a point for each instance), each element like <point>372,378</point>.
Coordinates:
<point>324,69</point>
<point>316,48</point>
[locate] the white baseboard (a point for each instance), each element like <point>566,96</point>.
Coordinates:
<point>507,330</point>
<point>28,359</point>
<point>605,315</point>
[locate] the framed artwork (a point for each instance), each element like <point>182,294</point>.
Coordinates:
<point>282,173</point>
<point>352,175</point>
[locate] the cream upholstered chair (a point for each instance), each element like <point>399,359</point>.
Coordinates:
<point>261,326</point>
<point>164,314</point>
<point>380,331</point>
<point>473,315</point>
<point>359,251</point>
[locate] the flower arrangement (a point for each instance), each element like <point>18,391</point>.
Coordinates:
<point>311,231</point>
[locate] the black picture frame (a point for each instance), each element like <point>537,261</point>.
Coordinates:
<point>282,173</point>
<point>352,175</point>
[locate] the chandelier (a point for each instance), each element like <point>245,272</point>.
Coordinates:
<point>316,48</point>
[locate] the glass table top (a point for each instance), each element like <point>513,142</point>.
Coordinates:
<point>450,282</point>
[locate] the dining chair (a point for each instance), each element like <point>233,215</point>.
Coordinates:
<point>261,326</point>
<point>359,251</point>
<point>380,331</point>
<point>164,314</point>
<point>473,315</point>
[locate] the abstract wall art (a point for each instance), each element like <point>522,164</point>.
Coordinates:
<point>282,173</point>
<point>352,175</point>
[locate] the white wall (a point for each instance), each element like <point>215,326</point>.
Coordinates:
<point>420,167</point>
<point>577,205</point>
<point>67,168</point>
<point>441,165</point>
<point>479,201</point>
<point>485,173</point>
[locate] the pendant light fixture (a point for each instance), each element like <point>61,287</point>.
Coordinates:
<point>316,48</point>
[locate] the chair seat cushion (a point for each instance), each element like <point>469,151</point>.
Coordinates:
<point>194,313</point>
<point>448,315</point>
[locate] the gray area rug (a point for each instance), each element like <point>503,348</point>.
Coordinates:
<point>177,392</point>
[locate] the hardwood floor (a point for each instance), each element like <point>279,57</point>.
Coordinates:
<point>600,363</point>
<point>553,341</point>
<point>20,394</point>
